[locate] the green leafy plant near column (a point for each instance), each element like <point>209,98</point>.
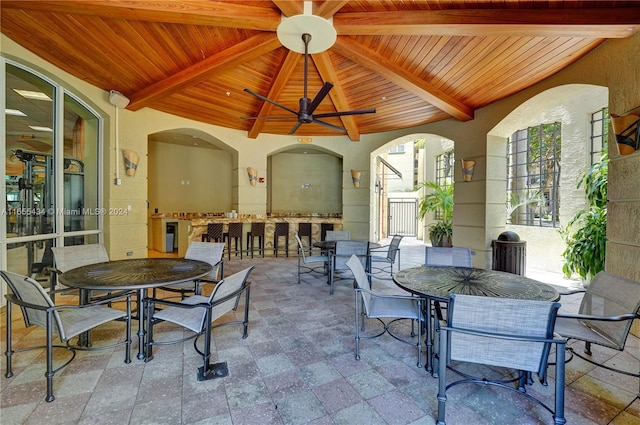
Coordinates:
<point>586,233</point>
<point>440,198</point>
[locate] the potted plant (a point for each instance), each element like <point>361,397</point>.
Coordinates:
<point>586,233</point>
<point>439,198</point>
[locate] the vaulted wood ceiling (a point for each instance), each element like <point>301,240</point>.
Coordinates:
<point>415,62</point>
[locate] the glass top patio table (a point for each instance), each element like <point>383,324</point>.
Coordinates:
<point>331,245</point>
<point>436,283</point>
<point>137,274</point>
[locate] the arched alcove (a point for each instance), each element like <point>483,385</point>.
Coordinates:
<point>304,179</point>
<point>190,171</point>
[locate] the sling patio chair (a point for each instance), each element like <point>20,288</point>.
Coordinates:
<point>370,304</point>
<point>197,314</point>
<point>306,262</point>
<point>67,321</point>
<point>514,335</point>
<point>391,251</point>
<point>608,308</point>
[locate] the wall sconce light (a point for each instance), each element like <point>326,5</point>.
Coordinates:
<point>355,176</point>
<point>627,132</point>
<point>253,175</point>
<point>376,186</point>
<point>130,162</point>
<point>468,166</point>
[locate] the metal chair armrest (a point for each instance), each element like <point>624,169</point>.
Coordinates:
<point>627,316</point>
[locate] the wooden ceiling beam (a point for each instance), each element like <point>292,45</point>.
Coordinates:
<point>283,74</point>
<point>288,7</point>
<point>578,22</point>
<point>328,9</point>
<point>240,53</point>
<point>363,56</point>
<point>328,73</point>
<point>194,12</point>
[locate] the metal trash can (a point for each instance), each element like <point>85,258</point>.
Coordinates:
<point>509,253</point>
<point>171,233</point>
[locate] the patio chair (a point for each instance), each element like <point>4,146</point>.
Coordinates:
<point>209,252</point>
<point>392,251</point>
<point>197,314</point>
<point>74,256</point>
<point>66,321</point>
<point>438,256</point>
<point>305,262</point>
<point>372,305</point>
<point>607,310</point>
<point>338,235</point>
<point>506,333</point>
<point>342,253</point>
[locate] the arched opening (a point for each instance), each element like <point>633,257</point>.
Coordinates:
<point>573,107</point>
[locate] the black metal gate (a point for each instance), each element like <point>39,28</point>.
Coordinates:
<point>403,216</point>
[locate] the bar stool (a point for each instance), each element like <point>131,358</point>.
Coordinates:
<point>304,229</point>
<point>234,231</point>
<point>257,231</point>
<point>214,233</point>
<point>323,230</point>
<point>282,229</point>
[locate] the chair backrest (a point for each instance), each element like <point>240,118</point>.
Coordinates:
<point>394,246</point>
<point>282,229</point>
<point>234,230</point>
<point>71,257</point>
<point>29,291</point>
<point>502,316</point>
<point>439,256</point>
<point>611,295</point>
<point>361,280</point>
<point>210,252</point>
<point>338,235</point>
<point>214,231</point>
<point>227,287</point>
<point>345,249</point>
<point>257,229</point>
<point>304,229</point>
<point>300,247</point>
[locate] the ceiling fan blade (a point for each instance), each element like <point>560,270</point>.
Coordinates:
<point>331,126</point>
<point>295,127</point>
<point>273,102</point>
<point>324,91</point>
<point>339,114</point>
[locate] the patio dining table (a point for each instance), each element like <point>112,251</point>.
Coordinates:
<point>436,283</point>
<point>139,274</point>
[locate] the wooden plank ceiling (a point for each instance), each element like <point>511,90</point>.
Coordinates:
<point>415,62</point>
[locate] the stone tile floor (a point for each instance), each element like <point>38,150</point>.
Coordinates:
<point>296,367</point>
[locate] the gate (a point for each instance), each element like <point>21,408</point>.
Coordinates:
<point>403,216</point>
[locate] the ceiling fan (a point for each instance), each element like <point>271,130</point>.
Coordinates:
<point>305,114</point>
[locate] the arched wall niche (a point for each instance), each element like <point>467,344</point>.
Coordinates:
<point>304,179</point>
<point>190,171</point>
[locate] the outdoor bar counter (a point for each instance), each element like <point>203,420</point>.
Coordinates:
<point>191,226</point>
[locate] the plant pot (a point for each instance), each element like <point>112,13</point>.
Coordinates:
<point>445,242</point>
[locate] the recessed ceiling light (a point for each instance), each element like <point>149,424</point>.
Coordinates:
<point>15,112</point>
<point>29,94</point>
<point>384,98</point>
<point>39,128</point>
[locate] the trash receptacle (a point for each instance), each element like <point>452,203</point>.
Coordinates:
<point>509,253</point>
<point>171,233</point>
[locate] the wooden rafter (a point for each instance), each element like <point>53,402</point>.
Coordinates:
<point>339,99</point>
<point>596,22</point>
<point>359,54</point>
<point>240,53</point>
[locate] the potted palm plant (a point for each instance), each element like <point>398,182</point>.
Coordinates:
<point>585,235</point>
<point>439,198</point>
